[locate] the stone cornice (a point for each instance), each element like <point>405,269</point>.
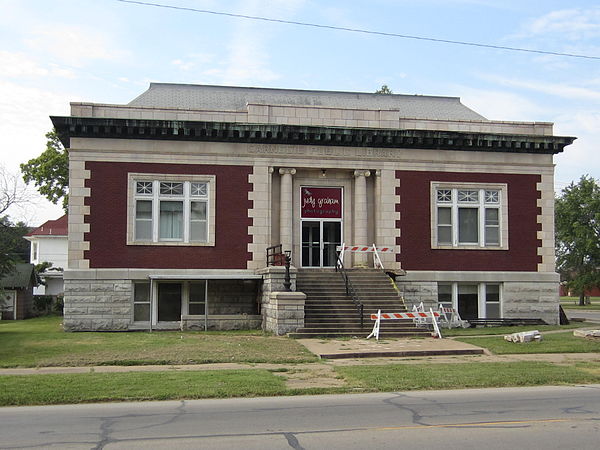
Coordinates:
<point>99,128</point>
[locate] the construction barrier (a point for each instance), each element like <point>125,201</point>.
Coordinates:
<point>341,249</point>
<point>448,317</point>
<point>364,249</point>
<point>433,315</point>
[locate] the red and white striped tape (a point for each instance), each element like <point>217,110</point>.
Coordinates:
<point>408,315</point>
<point>364,249</point>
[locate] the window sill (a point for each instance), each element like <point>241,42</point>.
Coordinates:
<point>172,244</point>
<point>466,247</point>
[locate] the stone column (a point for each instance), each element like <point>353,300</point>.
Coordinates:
<point>377,207</point>
<point>360,214</point>
<point>286,208</point>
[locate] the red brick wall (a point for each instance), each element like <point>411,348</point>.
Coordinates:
<point>108,220</point>
<point>415,225</point>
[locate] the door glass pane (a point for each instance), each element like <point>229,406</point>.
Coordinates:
<point>468,226</point>
<point>169,302</point>
<point>332,237</point>
<point>467,301</point>
<point>171,220</point>
<point>311,243</point>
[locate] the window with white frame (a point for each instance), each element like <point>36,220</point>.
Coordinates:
<point>472,300</point>
<point>468,216</point>
<point>141,302</point>
<point>171,209</point>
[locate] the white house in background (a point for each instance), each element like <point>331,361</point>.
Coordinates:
<point>49,242</point>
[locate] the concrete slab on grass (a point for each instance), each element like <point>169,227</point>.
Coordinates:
<point>363,348</point>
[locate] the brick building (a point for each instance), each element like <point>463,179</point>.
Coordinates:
<point>175,197</point>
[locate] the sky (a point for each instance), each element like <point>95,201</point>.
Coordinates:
<point>108,51</point>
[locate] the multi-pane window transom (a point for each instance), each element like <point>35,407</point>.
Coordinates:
<point>468,217</point>
<point>171,211</point>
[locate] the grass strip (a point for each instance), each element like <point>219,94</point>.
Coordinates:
<point>550,343</point>
<point>21,390</point>
<point>403,377</point>
<point>137,386</point>
<point>42,342</point>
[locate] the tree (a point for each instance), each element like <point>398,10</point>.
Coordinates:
<point>13,247</point>
<point>384,90</point>
<point>577,222</point>
<point>50,171</point>
<point>12,191</point>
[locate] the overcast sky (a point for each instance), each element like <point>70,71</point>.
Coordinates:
<point>107,51</point>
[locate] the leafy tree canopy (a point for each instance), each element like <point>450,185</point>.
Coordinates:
<point>577,223</point>
<point>13,248</point>
<point>384,90</point>
<point>50,171</point>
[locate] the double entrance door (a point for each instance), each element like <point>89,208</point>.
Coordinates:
<point>319,241</point>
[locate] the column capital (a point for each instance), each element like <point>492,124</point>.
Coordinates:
<point>287,170</point>
<point>378,172</point>
<point>362,173</point>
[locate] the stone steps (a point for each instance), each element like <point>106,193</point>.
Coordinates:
<point>330,312</point>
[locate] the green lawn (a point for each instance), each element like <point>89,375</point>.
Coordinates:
<point>42,342</point>
<point>19,390</point>
<point>137,386</point>
<point>550,343</point>
<point>403,377</point>
<point>573,303</point>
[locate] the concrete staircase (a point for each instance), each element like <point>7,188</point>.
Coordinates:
<point>329,312</point>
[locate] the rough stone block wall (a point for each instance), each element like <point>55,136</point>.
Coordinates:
<point>273,278</point>
<point>284,313</point>
<point>531,300</point>
<point>416,292</point>
<point>97,305</point>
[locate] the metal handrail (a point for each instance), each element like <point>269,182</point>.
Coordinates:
<point>339,267</point>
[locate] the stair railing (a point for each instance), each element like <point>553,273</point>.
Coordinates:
<point>350,291</point>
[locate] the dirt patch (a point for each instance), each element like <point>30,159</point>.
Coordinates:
<point>312,376</point>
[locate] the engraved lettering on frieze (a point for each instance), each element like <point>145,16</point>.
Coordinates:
<point>272,149</point>
<point>326,151</point>
<point>376,153</point>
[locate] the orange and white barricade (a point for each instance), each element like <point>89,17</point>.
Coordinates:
<point>433,315</point>
<point>365,249</point>
<point>450,318</point>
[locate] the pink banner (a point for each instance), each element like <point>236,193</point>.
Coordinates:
<point>321,203</point>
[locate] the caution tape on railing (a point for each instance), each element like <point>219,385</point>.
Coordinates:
<point>363,249</point>
<point>433,315</point>
<point>408,315</point>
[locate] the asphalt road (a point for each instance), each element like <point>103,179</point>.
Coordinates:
<point>531,418</point>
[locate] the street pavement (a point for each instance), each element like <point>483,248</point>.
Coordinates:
<point>508,418</point>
